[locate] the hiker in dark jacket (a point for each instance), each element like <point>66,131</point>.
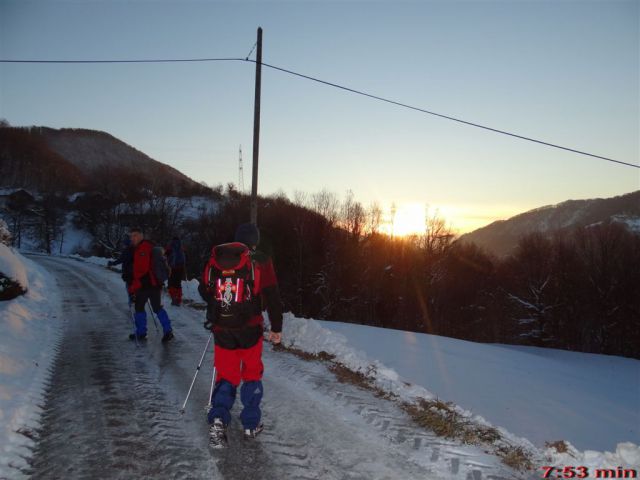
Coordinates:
<point>177,261</point>
<point>126,260</point>
<point>238,337</point>
<point>146,287</point>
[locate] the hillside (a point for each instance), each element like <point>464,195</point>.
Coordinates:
<point>80,159</point>
<point>501,237</point>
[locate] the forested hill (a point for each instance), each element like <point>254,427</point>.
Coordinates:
<point>501,237</point>
<point>72,160</point>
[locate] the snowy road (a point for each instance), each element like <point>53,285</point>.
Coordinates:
<point>112,409</point>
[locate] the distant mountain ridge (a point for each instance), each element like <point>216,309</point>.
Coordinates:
<point>501,237</point>
<point>80,159</point>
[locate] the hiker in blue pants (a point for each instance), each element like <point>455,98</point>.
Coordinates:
<point>147,286</point>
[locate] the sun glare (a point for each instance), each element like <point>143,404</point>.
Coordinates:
<point>410,218</point>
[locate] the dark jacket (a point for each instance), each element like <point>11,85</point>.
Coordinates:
<point>175,254</point>
<point>126,259</point>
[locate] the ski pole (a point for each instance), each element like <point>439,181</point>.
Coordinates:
<point>213,381</point>
<point>133,322</point>
<point>196,374</point>
<point>153,315</point>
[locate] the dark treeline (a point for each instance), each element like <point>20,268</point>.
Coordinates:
<point>579,290</point>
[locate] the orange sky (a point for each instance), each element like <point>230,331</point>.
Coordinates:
<point>410,217</point>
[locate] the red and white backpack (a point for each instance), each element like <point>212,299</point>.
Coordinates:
<point>229,280</point>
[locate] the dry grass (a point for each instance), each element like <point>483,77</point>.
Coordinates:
<point>310,357</point>
<point>346,375</point>
<point>515,457</point>
<point>438,417</point>
<point>560,446</point>
<point>444,421</point>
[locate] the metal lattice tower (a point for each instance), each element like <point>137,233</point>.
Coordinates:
<point>240,171</point>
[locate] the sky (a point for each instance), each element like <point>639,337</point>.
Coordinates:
<point>565,72</point>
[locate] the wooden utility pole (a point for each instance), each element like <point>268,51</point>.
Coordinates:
<point>256,132</point>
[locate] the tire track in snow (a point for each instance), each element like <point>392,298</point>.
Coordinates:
<point>425,455</point>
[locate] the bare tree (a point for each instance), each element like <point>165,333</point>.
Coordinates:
<point>352,215</point>
<point>327,204</point>
<point>300,198</point>
<point>437,236</point>
<point>374,218</point>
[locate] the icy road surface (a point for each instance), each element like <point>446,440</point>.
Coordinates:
<point>112,410</point>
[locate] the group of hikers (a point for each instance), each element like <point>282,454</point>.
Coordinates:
<point>238,282</point>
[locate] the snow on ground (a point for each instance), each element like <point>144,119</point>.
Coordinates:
<point>29,329</point>
<point>531,395</point>
<point>592,401</point>
<point>101,261</point>
<point>74,240</point>
<point>11,266</point>
<point>190,291</point>
<point>632,222</point>
<point>189,207</point>
<point>194,207</point>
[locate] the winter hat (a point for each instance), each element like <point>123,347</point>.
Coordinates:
<point>248,234</point>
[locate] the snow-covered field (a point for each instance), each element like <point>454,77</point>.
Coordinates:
<point>29,329</point>
<point>534,395</point>
<point>541,394</point>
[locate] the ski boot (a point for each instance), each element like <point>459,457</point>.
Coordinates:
<point>167,336</point>
<point>253,433</point>
<point>218,434</point>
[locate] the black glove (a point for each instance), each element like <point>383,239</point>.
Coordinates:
<point>110,263</point>
<point>208,325</point>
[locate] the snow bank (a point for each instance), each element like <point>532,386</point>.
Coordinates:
<point>190,290</point>
<point>29,328</point>
<point>500,382</point>
<point>11,265</point>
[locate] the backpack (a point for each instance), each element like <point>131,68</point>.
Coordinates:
<point>228,278</point>
<point>159,265</point>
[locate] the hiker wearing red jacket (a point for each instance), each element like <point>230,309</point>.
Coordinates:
<point>237,283</point>
<point>145,287</point>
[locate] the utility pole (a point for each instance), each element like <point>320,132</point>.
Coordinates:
<point>240,171</point>
<point>256,132</point>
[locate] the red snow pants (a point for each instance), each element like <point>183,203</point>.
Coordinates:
<point>243,364</point>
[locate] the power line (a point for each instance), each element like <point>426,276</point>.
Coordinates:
<point>335,85</point>
<point>171,60</point>
<point>252,49</point>
<point>352,90</point>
